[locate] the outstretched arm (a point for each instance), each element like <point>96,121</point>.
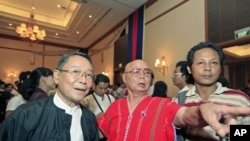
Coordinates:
<point>210,114</point>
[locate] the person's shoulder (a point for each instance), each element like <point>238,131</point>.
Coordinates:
<point>237,92</point>
<point>112,98</point>
<point>37,105</point>
<point>90,96</point>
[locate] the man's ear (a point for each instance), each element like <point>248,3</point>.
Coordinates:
<point>93,85</point>
<point>123,77</point>
<point>189,70</point>
<point>56,76</point>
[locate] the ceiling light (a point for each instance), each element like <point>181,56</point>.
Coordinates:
<point>238,51</point>
<point>30,30</point>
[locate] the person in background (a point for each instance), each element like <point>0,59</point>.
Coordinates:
<point>39,83</point>
<point>143,118</point>
<point>184,81</point>
<point>14,91</point>
<point>151,88</point>
<point>17,100</point>
<point>181,78</point>
<point>2,84</point>
<point>5,97</point>
<point>99,101</point>
<point>59,117</point>
<point>205,63</point>
<point>120,91</point>
<point>7,91</point>
<point>160,89</point>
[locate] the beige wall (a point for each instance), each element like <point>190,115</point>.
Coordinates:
<point>172,35</point>
<point>105,63</point>
<point>16,56</point>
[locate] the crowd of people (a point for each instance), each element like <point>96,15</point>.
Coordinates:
<point>84,106</point>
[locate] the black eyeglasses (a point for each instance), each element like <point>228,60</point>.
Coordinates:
<point>79,73</point>
<point>137,72</point>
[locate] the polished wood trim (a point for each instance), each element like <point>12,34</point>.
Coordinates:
<point>167,11</point>
<point>234,42</point>
<point>42,42</point>
<point>149,3</point>
<point>16,49</point>
<point>206,20</point>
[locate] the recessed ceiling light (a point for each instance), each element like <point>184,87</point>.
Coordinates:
<point>90,16</point>
<point>57,34</point>
<point>77,32</point>
<point>10,24</point>
<point>60,6</point>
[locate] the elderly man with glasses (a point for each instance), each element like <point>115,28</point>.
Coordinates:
<point>59,117</point>
<point>140,117</point>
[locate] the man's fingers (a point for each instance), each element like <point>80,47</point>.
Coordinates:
<point>237,111</point>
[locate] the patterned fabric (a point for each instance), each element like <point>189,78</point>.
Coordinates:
<point>222,95</point>
<point>152,119</point>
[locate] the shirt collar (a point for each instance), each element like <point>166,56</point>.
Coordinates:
<point>219,90</point>
<point>59,103</point>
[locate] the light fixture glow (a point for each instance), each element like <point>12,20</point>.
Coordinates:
<point>31,30</point>
<point>161,65</point>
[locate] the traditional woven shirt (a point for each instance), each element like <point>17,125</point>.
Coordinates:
<point>151,120</point>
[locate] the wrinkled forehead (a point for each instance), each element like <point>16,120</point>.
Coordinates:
<point>136,64</point>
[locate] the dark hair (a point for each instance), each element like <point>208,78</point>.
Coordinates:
<point>7,85</point>
<point>160,89</point>
<point>24,75</point>
<point>183,69</point>
<point>224,82</point>
<point>1,82</point>
<point>101,78</point>
<point>152,78</point>
<point>152,75</point>
<point>63,60</point>
<point>201,45</point>
<point>31,83</point>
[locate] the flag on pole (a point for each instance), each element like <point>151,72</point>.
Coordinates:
<point>135,34</point>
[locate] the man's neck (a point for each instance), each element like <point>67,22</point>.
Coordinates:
<point>102,96</point>
<point>134,99</point>
<point>181,86</point>
<point>205,91</point>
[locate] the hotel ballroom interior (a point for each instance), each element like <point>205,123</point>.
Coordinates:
<point>100,28</point>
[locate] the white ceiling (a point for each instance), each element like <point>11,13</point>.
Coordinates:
<point>70,18</point>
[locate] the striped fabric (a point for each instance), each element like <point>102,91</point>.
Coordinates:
<point>222,95</point>
<point>135,34</point>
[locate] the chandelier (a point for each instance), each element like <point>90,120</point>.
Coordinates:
<point>30,30</point>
